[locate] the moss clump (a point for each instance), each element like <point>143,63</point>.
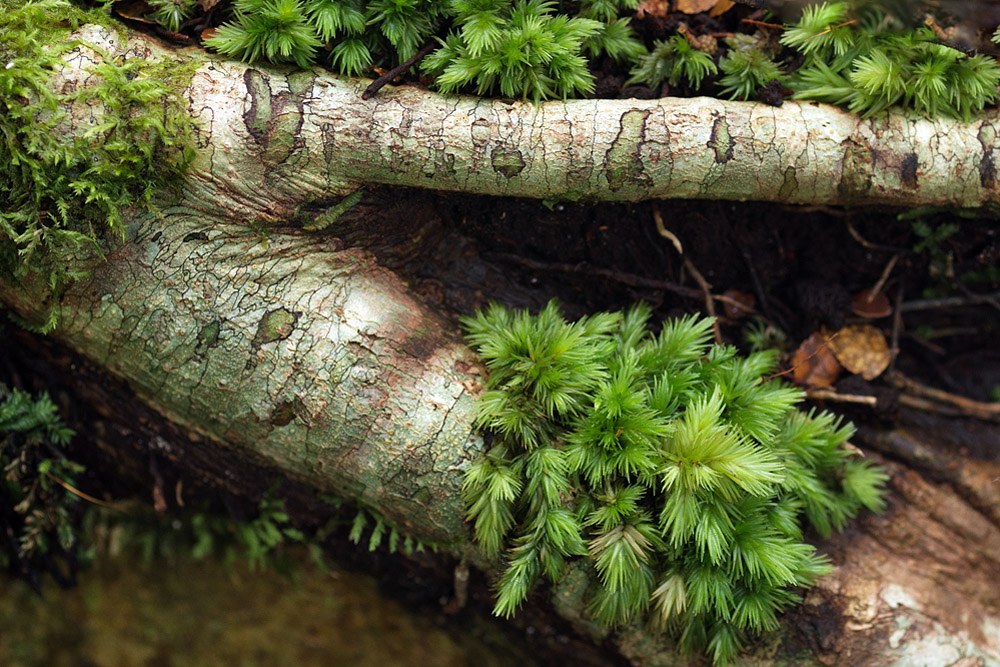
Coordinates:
<point>672,465</point>
<point>852,54</point>
<point>65,190</point>
<point>519,48</point>
<point>854,61</point>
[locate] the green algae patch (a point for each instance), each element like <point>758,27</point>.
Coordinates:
<point>274,326</point>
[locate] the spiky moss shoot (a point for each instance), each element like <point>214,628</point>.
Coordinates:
<point>855,55</point>
<point>172,13</point>
<point>65,189</point>
<point>674,466</point>
<point>517,48</point>
<point>860,63</point>
<point>747,67</point>
<point>673,61</point>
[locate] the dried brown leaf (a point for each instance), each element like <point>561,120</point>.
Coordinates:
<point>208,4</point>
<point>695,6</point>
<point>862,349</point>
<point>657,8</point>
<point>135,11</point>
<point>721,7</point>
<point>814,364</point>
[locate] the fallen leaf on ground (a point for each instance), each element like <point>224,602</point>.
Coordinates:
<point>862,349</point>
<point>814,363</point>
<point>135,11</point>
<point>657,8</point>
<point>721,7</point>
<point>208,4</point>
<point>695,6</point>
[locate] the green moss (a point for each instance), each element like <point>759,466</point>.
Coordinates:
<point>66,189</point>
<point>520,48</point>
<point>384,532</point>
<point>676,470</point>
<point>855,58</point>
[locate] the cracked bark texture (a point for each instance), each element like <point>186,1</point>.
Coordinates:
<point>273,138</point>
<point>246,330</point>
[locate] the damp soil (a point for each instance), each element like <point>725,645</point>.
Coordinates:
<point>794,268</point>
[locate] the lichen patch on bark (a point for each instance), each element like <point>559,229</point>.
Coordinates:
<point>275,325</point>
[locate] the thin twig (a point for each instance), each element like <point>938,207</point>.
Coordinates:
<point>763,24</point>
<point>832,28</point>
<point>737,304</point>
<point>866,243</point>
<point>927,405</point>
<point>700,279</point>
<point>709,303</point>
<point>883,278</point>
<point>821,394</point>
<point>378,83</point>
<point>947,302</point>
<point>630,279</point>
<point>978,298</point>
<point>965,406</point>
<point>81,494</point>
<point>666,233</point>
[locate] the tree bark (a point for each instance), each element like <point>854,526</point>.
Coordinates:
<point>233,322</point>
<point>272,139</point>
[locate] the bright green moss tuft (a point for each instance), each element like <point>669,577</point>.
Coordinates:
<point>516,48</point>
<point>870,67</point>
<point>674,466</point>
<point>673,61</point>
<point>853,54</point>
<point>65,190</point>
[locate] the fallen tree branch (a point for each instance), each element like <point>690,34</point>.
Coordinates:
<point>301,135</point>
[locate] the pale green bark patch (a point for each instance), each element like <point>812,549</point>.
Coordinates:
<point>857,167</point>
<point>508,162</point>
<point>275,325</point>
<point>789,184</point>
<point>623,160</point>
<point>721,143</point>
<point>208,337</point>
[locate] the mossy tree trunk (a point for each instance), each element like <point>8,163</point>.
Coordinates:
<point>229,319</point>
